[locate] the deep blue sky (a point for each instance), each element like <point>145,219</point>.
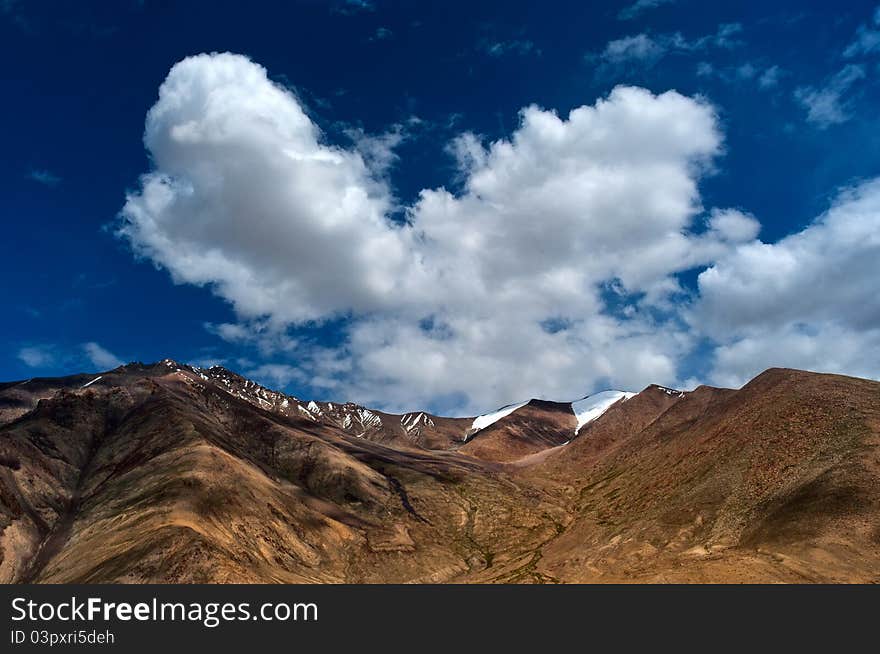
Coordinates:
<point>79,78</point>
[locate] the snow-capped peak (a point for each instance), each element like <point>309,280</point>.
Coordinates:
<point>593,406</point>
<point>483,421</point>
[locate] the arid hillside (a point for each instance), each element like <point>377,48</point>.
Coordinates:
<point>171,473</point>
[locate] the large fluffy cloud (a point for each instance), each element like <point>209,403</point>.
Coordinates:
<point>246,197</point>
<point>552,272</point>
<point>810,300</point>
<point>514,270</point>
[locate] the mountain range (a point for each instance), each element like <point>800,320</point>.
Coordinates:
<point>172,473</point>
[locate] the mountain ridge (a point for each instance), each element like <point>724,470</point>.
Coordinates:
<point>172,473</point>
<point>350,416</point>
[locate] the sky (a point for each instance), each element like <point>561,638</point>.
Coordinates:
<point>445,206</point>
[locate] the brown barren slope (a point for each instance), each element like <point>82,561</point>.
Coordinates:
<point>775,482</point>
<point>164,479</point>
<point>167,473</point>
<point>532,428</point>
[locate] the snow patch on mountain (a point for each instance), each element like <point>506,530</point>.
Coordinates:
<point>368,418</point>
<point>674,392</point>
<point>415,421</point>
<point>483,421</point>
<point>591,407</point>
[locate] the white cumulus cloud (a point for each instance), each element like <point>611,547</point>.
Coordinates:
<point>552,272</point>
<point>808,301</point>
<point>246,197</point>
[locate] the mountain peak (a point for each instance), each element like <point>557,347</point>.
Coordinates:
<point>593,406</point>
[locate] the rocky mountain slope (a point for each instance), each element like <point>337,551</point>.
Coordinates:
<point>173,473</point>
